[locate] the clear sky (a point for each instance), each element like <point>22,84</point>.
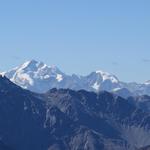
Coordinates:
<point>78,36</point>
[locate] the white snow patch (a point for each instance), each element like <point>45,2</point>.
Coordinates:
<point>25,65</point>
<point>96,86</point>
<point>116,89</point>
<point>25,78</point>
<point>59,77</point>
<point>46,76</point>
<point>44,66</point>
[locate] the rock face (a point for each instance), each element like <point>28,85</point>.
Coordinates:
<point>4,147</point>
<point>145,148</point>
<point>142,102</point>
<point>21,118</point>
<point>68,120</point>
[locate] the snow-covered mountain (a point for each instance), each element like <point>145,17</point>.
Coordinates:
<point>100,80</point>
<point>39,77</point>
<point>35,76</point>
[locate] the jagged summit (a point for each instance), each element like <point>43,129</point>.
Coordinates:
<point>40,77</point>
<point>108,76</point>
<point>34,75</point>
<point>37,65</point>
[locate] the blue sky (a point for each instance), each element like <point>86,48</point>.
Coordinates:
<point>79,36</point>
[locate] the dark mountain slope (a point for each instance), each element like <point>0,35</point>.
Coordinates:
<point>69,120</point>
<point>21,118</point>
<point>145,148</point>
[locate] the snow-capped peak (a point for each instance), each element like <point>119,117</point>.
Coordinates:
<point>34,73</point>
<point>100,80</point>
<point>107,76</point>
<point>32,65</point>
<point>38,67</point>
<point>27,63</point>
<point>39,77</point>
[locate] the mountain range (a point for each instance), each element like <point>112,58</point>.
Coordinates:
<point>64,119</point>
<point>39,77</point>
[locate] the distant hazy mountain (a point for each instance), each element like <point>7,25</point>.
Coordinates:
<point>69,120</point>
<point>123,92</point>
<point>38,77</point>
